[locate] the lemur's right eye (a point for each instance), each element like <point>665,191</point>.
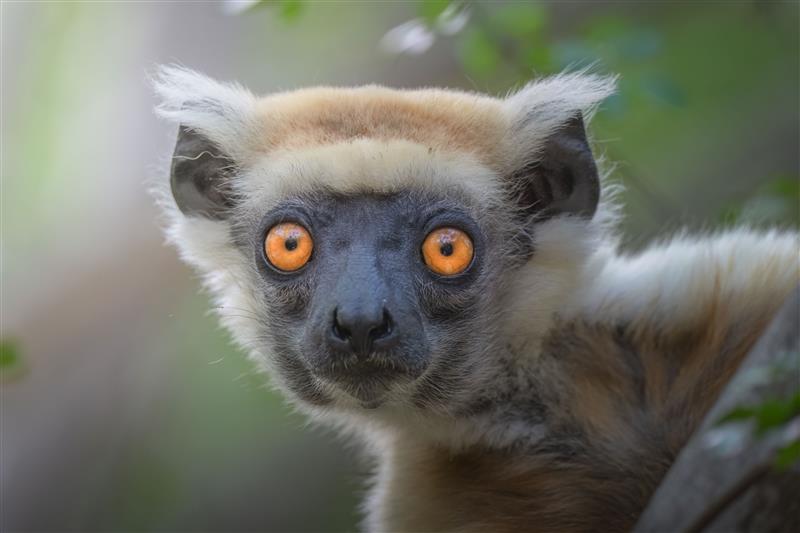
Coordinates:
<point>288,246</point>
<point>447,251</point>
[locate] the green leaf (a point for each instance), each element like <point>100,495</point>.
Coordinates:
<point>768,414</point>
<point>12,365</point>
<point>738,414</point>
<point>9,354</point>
<point>288,10</point>
<point>291,10</point>
<point>773,413</point>
<point>430,10</point>
<point>787,187</point>
<point>479,54</point>
<point>788,455</point>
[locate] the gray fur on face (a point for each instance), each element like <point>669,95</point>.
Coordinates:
<point>369,246</point>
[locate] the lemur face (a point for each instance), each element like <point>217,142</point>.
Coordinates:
<point>360,243</point>
<point>373,298</point>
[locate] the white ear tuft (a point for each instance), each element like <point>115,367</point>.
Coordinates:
<point>223,112</point>
<point>556,99</point>
<point>541,107</point>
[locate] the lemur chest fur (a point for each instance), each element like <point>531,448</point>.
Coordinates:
<point>617,406</point>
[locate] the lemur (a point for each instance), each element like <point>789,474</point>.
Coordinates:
<point>437,273</point>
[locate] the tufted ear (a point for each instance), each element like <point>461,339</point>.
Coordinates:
<point>200,176</point>
<point>552,169</point>
<point>219,130</point>
<point>562,179</point>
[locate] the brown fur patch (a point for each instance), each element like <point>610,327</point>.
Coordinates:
<point>554,490</point>
<point>615,378</point>
<point>623,401</point>
<point>440,120</point>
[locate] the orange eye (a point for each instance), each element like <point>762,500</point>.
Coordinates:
<point>447,251</point>
<point>288,246</point>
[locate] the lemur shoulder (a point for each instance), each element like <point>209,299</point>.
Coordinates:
<point>437,274</point>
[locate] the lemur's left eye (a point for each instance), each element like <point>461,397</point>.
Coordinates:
<point>288,246</point>
<point>447,251</point>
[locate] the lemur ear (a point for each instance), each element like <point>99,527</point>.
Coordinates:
<point>219,130</point>
<point>551,167</point>
<point>200,176</point>
<point>562,179</point>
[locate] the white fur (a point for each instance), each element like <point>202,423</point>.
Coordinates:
<point>225,112</point>
<point>674,283</point>
<point>541,107</point>
<point>366,165</point>
<point>239,123</point>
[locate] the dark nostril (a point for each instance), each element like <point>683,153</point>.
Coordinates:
<point>339,331</point>
<point>384,329</point>
<point>359,331</point>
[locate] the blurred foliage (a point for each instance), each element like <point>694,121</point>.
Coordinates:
<point>222,417</point>
<point>788,456</point>
<point>774,414</point>
<point>11,362</point>
<point>767,415</point>
<point>773,203</point>
<point>9,354</point>
<point>288,10</point>
<point>431,10</point>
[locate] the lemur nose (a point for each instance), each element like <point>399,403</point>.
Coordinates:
<point>361,330</point>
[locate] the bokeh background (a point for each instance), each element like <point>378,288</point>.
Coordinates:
<point>124,406</point>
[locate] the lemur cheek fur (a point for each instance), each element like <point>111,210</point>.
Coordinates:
<point>436,273</point>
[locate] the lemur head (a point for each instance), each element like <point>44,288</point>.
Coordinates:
<point>378,248</point>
